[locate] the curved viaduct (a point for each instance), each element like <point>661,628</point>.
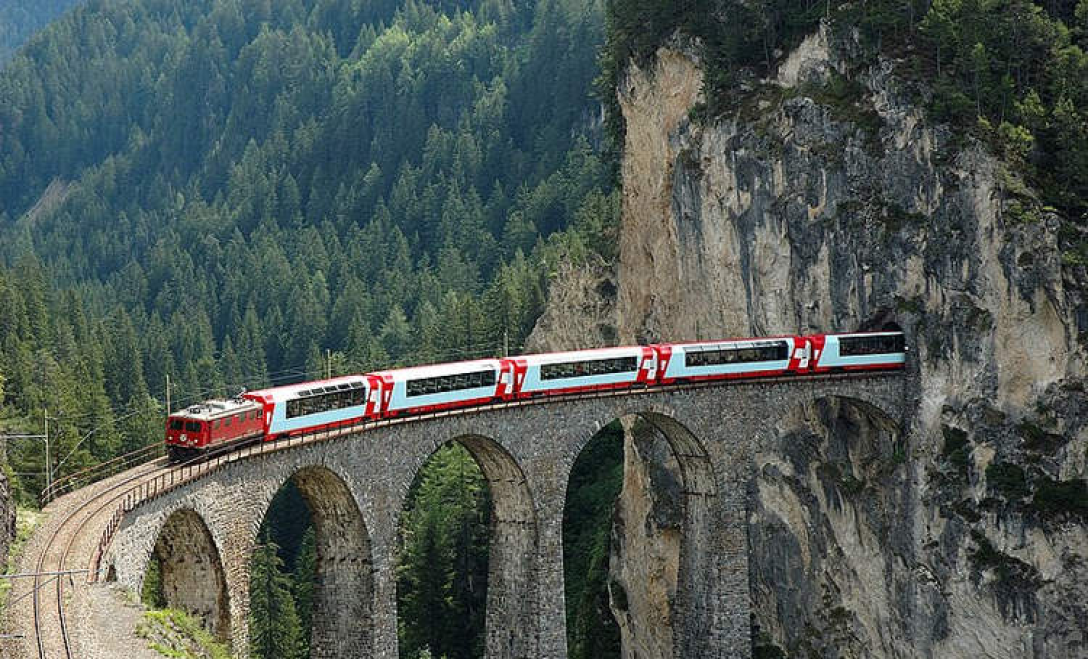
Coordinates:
<point>204,532</point>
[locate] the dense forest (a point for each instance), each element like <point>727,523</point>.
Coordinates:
<point>230,196</point>
<point>21,18</point>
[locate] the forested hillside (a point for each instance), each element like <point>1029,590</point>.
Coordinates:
<point>19,19</point>
<point>228,191</point>
<point>237,193</point>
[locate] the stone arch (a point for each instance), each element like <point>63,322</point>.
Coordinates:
<point>683,558</point>
<point>191,570</point>
<point>512,556</point>
<point>344,593</point>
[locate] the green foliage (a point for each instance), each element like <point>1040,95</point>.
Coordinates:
<point>1015,578</point>
<point>1007,479</point>
<point>595,481</point>
<point>151,594</point>
<point>55,359</point>
<point>19,19</point>
<point>26,521</point>
<point>178,635</point>
<point>442,571</point>
<point>386,180</point>
<point>303,588</point>
<point>763,647</point>
<point>956,449</point>
<point>275,632</point>
<point>1059,498</point>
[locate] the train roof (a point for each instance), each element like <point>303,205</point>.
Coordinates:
<point>573,355</point>
<point>214,409</point>
<point>303,389</point>
<point>433,370</point>
<point>853,334</point>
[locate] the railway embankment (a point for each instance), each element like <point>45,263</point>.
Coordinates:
<point>99,620</point>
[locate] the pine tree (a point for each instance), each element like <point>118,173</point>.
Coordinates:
<point>275,632</point>
<point>303,576</point>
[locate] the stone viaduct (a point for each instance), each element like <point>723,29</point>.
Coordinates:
<point>204,532</point>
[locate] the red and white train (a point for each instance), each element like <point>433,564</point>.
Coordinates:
<point>295,409</point>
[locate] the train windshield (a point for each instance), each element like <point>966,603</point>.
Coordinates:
<point>192,426</point>
<point>177,424</point>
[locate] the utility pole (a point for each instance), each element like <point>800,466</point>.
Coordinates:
<point>328,363</point>
<point>505,342</point>
<point>168,410</point>
<point>48,462</point>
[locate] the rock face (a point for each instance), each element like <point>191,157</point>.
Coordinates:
<point>826,203</point>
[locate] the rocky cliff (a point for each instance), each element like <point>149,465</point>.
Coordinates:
<point>826,202</point>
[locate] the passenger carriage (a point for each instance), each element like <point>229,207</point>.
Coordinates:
<point>860,351</point>
<point>583,370</point>
<point>300,408</point>
<point>314,406</point>
<point>422,389</point>
<point>736,358</point>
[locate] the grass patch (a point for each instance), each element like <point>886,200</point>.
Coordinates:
<point>841,476</point>
<point>179,635</point>
<point>26,520</point>
<point>1037,439</point>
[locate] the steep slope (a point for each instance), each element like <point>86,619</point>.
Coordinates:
<point>231,193</point>
<point>827,199</point>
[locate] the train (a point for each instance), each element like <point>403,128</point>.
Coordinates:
<point>296,409</point>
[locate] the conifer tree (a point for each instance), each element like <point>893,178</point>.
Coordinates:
<point>274,624</point>
<point>303,576</point>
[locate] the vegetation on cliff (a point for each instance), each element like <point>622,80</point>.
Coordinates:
<point>1013,73</point>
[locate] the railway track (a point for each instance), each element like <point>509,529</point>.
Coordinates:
<point>51,638</point>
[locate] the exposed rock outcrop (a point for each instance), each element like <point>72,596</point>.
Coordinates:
<point>827,203</point>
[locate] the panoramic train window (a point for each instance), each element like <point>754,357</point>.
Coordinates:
<point>758,352</point>
<point>588,368</point>
<point>324,399</point>
<point>446,383</point>
<point>854,346</point>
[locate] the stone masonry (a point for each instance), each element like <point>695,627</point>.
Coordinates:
<point>357,487</point>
